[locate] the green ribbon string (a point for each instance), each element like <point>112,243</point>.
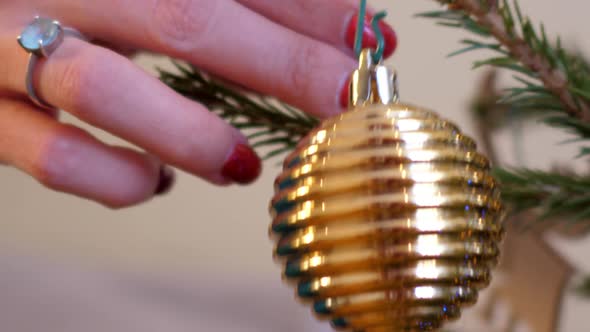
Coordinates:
<point>379,34</point>
<point>358,41</point>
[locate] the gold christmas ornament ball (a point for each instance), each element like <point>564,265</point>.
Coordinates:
<point>386,217</point>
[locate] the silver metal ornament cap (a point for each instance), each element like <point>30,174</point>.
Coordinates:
<point>372,83</point>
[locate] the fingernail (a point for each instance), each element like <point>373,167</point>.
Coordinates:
<point>167,179</point>
<point>345,94</point>
<point>369,37</point>
<point>243,165</point>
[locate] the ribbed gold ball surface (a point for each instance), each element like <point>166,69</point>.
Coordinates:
<point>387,219</point>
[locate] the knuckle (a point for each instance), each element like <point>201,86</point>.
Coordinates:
<point>178,24</point>
<point>303,62</point>
<point>184,153</point>
<point>57,158</point>
<point>77,78</point>
<point>210,146</point>
<point>306,8</point>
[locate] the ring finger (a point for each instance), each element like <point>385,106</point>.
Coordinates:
<point>106,90</point>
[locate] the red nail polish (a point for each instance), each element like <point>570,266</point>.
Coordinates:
<point>369,37</point>
<point>390,39</point>
<point>243,165</point>
<point>166,181</point>
<point>345,94</point>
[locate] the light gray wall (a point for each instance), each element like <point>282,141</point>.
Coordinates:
<point>221,234</point>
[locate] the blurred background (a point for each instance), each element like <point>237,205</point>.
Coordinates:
<point>200,259</point>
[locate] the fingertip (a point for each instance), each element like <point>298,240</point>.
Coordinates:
<point>369,36</point>
<point>242,166</point>
<point>344,96</point>
<point>166,180</point>
<point>218,179</point>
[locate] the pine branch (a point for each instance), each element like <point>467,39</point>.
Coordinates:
<point>270,124</point>
<point>564,78</point>
<point>552,82</point>
<point>545,192</point>
<point>551,194</point>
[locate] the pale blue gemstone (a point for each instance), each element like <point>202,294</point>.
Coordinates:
<point>42,29</point>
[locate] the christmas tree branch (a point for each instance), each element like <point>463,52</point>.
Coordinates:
<point>555,193</point>
<point>551,194</point>
<point>269,123</point>
<point>533,50</point>
<point>552,82</point>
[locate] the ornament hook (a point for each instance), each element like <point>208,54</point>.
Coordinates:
<point>372,83</point>
<point>378,56</point>
<point>358,41</point>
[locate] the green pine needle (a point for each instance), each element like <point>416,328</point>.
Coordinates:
<point>270,125</point>
<point>536,61</point>
<point>551,194</point>
<point>520,33</point>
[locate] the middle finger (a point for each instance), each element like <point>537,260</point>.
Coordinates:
<point>225,38</point>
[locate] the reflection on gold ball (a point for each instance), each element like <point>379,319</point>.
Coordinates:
<point>388,219</point>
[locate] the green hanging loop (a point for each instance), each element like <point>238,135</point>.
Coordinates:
<point>358,41</point>
<point>380,39</point>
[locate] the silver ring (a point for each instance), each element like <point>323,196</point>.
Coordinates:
<point>40,39</point>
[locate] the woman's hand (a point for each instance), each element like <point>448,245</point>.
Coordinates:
<point>296,50</point>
